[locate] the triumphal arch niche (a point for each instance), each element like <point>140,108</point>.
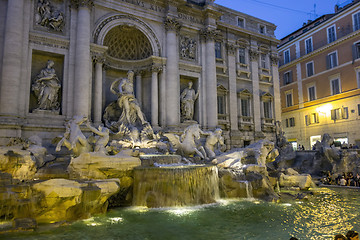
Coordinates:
<point>131,45</point>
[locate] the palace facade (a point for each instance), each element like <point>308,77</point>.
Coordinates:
<point>59,58</point>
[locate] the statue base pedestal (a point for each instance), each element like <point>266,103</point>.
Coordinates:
<point>46,112</point>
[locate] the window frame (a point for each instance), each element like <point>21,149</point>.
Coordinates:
<point>262,29</point>
<point>309,95</point>
<point>312,69</point>
<point>263,61</point>
<point>330,62</point>
<point>334,34</point>
<point>218,50</point>
<point>287,53</point>
<point>331,85</point>
<point>356,27</point>
<point>289,100</point>
<point>309,49</point>
<point>287,80</point>
<point>239,55</point>
<point>238,21</point>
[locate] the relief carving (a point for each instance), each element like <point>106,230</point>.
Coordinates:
<point>188,48</point>
<point>48,16</point>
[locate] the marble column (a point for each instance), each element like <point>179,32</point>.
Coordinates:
<point>254,58</point>
<point>210,79</point>
<point>162,103</point>
<point>98,88</point>
<point>82,58</point>
<point>138,86</point>
<point>12,55</point>
<point>232,87</point>
<point>154,96</point>
<point>276,85</point>
<point>172,73</point>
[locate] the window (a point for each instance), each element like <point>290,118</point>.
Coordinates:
<point>335,86</point>
<point>287,77</point>
<point>289,99</point>
<point>262,29</point>
<point>309,69</point>
<point>218,53</point>
<point>221,105</point>
<point>308,45</point>
<point>331,60</point>
<point>312,93</point>
<point>331,34</point>
<point>356,21</point>
<point>311,118</point>
<point>339,113</point>
<point>242,56</point>
<point>359,109</point>
<point>356,50</point>
<point>267,109</point>
<point>245,107</point>
<point>263,60</point>
<point>286,56</point>
<point>290,122</point>
<point>241,22</point>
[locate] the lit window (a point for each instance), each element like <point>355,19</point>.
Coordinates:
<point>340,113</point>
<point>242,56</point>
<point>218,53</point>
<point>310,69</point>
<point>311,118</point>
<point>308,45</point>
<point>331,34</point>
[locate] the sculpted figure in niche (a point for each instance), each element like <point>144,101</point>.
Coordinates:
<point>187,98</point>
<point>131,111</point>
<point>46,88</point>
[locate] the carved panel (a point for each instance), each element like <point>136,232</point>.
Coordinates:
<point>188,48</point>
<point>50,15</point>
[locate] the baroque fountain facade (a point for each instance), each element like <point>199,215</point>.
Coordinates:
<point>133,103</point>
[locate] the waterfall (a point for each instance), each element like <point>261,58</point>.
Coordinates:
<point>248,188</point>
<point>175,186</point>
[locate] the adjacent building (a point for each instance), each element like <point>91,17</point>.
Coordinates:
<point>319,71</point>
<point>230,57</point>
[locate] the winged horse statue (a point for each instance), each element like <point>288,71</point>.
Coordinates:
<point>185,145</point>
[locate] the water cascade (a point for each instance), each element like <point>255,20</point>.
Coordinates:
<point>167,186</point>
<point>248,188</point>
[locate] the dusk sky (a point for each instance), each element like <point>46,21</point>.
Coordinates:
<point>287,15</point>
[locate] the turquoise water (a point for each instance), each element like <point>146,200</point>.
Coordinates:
<point>330,212</point>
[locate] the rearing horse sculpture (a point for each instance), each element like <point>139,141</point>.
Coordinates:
<point>186,144</point>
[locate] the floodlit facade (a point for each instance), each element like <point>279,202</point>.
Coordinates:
<point>230,57</point>
<point>320,78</point>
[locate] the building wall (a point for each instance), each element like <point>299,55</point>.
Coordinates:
<point>326,102</point>
<point>86,69</point>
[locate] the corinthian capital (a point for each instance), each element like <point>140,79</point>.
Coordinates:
<point>210,34</point>
<point>254,55</point>
<point>82,3</point>
<point>274,58</point>
<point>231,48</point>
<point>172,24</point>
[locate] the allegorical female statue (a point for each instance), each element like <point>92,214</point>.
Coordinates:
<point>46,88</point>
<point>187,98</point>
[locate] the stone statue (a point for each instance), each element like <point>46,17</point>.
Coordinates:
<point>186,144</point>
<point>47,16</point>
<point>187,98</point>
<point>131,111</point>
<point>212,140</point>
<point>73,137</point>
<point>102,138</point>
<point>46,88</point>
